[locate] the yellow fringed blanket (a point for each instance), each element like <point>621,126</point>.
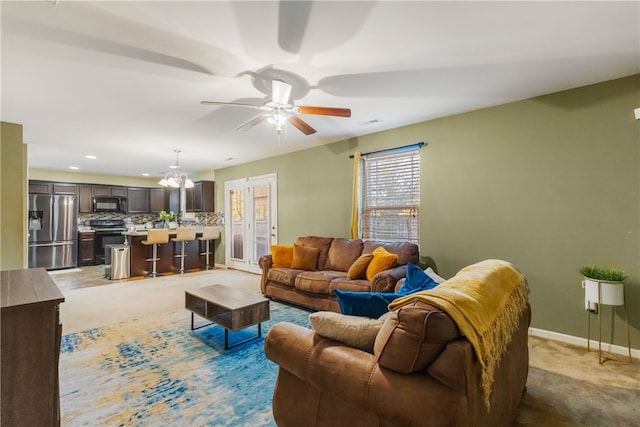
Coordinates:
<point>486,301</point>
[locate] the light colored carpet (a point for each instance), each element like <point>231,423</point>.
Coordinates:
<point>117,301</point>
<point>566,385</point>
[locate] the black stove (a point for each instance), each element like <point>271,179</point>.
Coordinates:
<point>108,232</point>
<point>111,225</point>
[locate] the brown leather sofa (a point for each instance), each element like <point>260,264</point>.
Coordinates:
<point>422,373</point>
<point>314,289</point>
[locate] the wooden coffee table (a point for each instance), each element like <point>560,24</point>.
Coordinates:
<point>230,308</point>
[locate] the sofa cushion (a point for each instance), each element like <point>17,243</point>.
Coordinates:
<point>382,260</point>
<point>282,255</point>
<point>407,252</point>
<point>411,339</point>
<point>343,253</point>
<point>322,243</point>
<point>416,280</point>
<point>318,282</point>
<point>346,284</point>
<point>355,331</point>
<point>367,304</point>
<point>284,276</point>
<point>358,270</point>
<point>304,258</point>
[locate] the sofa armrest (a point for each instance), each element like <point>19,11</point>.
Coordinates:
<point>386,280</point>
<point>265,262</point>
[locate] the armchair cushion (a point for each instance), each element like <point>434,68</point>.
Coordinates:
<point>355,331</point>
<point>416,280</point>
<point>281,256</point>
<point>382,260</point>
<point>304,258</point>
<point>367,304</point>
<point>358,269</point>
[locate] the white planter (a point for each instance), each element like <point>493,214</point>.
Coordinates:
<point>612,293</point>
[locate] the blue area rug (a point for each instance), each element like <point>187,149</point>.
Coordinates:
<point>159,372</point>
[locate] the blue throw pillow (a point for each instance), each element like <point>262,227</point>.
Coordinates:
<point>416,280</point>
<point>367,304</point>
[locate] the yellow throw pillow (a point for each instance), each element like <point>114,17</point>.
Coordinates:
<point>358,269</point>
<point>382,260</point>
<point>304,257</point>
<point>282,256</point>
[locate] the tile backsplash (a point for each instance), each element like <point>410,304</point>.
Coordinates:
<point>202,218</point>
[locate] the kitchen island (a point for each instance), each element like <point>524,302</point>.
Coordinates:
<point>167,262</point>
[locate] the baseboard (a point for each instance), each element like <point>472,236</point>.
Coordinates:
<point>582,342</point>
<point>223,266</point>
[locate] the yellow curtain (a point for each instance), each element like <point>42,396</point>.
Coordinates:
<point>355,217</point>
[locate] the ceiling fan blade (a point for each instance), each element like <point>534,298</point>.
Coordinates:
<point>280,91</point>
<point>301,125</point>
<point>325,111</point>
<point>233,104</point>
<point>251,123</point>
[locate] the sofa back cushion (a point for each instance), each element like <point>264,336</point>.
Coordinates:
<point>322,243</point>
<point>407,252</point>
<point>413,337</point>
<point>343,253</point>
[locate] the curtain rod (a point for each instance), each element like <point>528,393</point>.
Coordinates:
<point>417,144</point>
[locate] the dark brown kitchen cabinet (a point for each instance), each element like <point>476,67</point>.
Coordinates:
<point>85,196</point>
<point>158,200</point>
<point>86,248</point>
<point>138,200</point>
<point>108,190</point>
<point>39,187</point>
<point>65,189</point>
<point>197,199</point>
<point>202,197</point>
<point>30,338</point>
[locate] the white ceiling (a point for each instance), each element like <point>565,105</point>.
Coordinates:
<point>123,81</point>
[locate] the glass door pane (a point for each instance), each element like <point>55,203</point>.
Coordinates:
<point>237,223</point>
<point>262,221</point>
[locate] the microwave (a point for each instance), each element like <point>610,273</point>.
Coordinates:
<point>110,204</point>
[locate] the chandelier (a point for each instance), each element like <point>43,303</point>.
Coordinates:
<point>176,178</point>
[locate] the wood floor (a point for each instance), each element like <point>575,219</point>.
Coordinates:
<point>87,277</point>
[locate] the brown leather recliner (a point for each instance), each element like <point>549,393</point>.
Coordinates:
<point>422,373</point>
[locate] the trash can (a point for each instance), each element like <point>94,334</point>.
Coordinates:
<point>117,262</point>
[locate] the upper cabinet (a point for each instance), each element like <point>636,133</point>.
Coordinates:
<point>138,200</point>
<point>108,190</point>
<point>158,200</point>
<point>46,187</point>
<point>197,199</point>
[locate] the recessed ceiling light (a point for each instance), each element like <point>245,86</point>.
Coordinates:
<point>74,167</point>
<point>173,167</point>
<point>89,156</point>
<point>145,174</point>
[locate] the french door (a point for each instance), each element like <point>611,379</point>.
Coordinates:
<point>251,221</point>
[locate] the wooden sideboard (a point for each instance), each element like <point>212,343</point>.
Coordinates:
<point>29,348</point>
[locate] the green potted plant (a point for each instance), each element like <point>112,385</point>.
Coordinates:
<point>605,282</point>
<point>165,217</point>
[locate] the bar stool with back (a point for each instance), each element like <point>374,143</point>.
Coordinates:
<point>156,237</point>
<point>184,235</point>
<point>208,234</point>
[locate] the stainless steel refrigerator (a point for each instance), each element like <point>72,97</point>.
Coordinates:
<point>53,231</point>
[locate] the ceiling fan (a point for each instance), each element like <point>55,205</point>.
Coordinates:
<point>279,111</point>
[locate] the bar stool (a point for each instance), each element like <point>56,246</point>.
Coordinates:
<point>156,237</point>
<point>208,234</point>
<point>184,235</point>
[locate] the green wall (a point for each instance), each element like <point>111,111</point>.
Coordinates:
<point>13,197</point>
<point>549,184</point>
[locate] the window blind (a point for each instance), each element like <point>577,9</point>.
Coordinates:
<point>391,196</point>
